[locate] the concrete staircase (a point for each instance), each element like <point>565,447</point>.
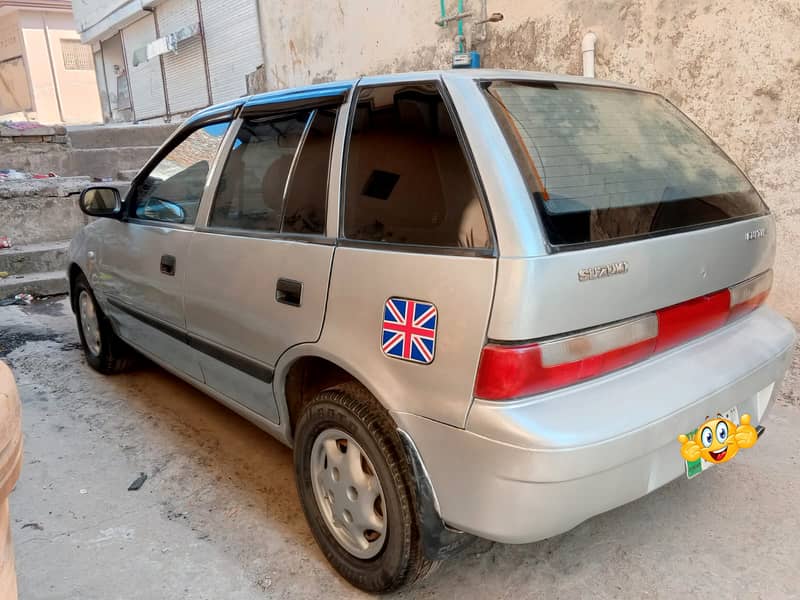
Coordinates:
<point>106,151</point>
<point>37,269</point>
<point>40,216</point>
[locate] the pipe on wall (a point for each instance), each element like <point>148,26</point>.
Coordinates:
<point>461,26</point>
<point>588,48</point>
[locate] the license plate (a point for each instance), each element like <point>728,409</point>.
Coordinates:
<point>695,467</point>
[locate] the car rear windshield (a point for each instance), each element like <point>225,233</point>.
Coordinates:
<point>606,164</point>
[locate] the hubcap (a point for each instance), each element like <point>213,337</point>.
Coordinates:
<point>89,323</point>
<point>348,493</point>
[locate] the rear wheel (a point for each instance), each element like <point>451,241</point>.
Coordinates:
<point>357,490</point>
<point>104,351</point>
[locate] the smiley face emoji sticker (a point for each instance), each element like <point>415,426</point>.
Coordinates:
<point>718,440</point>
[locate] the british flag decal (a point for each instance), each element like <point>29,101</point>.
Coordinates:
<point>409,330</point>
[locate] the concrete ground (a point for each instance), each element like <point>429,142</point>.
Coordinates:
<point>218,516</point>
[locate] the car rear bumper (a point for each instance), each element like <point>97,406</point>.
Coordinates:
<point>533,468</point>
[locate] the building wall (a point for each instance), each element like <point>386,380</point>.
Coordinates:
<point>209,67</point>
<point>42,34</point>
<point>15,90</point>
<point>38,60</point>
<point>732,65</point>
<point>114,70</point>
<point>80,101</point>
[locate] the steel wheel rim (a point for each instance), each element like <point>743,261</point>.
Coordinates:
<point>89,323</point>
<point>348,493</point>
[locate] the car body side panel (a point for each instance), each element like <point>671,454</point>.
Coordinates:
<point>128,276</point>
<point>129,258</point>
<point>231,286</point>
<point>461,288</point>
<point>231,302</point>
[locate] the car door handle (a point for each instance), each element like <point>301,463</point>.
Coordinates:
<point>168,264</point>
<point>288,291</point>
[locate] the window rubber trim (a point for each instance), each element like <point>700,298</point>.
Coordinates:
<point>416,248</point>
<point>309,238</point>
<point>296,100</point>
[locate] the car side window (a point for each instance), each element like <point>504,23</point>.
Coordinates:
<point>172,190</point>
<point>305,206</point>
<point>407,179</point>
<point>275,178</point>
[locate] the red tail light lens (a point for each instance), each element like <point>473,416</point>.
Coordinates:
<point>512,371</point>
<point>691,319</point>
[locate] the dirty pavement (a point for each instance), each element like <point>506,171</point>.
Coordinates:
<point>138,486</point>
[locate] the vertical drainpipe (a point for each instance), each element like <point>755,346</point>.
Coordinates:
<point>105,78</point>
<point>460,27</point>
<point>168,116</point>
<point>442,10</point>
<point>127,74</point>
<point>205,50</point>
<point>587,48</point>
<point>52,68</point>
<point>261,31</point>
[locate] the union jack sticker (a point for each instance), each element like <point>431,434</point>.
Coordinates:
<point>409,330</point>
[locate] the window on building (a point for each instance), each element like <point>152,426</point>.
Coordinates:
<point>77,56</point>
<point>275,178</point>
<point>408,181</point>
<point>172,191</point>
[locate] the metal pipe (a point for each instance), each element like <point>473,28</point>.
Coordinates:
<point>161,64</point>
<point>205,52</point>
<point>444,20</point>
<point>442,15</point>
<point>587,48</point>
<point>461,26</point>
<point>56,86</point>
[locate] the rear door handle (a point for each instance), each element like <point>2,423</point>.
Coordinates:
<point>168,264</point>
<point>288,291</point>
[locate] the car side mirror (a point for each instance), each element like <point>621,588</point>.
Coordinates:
<point>101,202</point>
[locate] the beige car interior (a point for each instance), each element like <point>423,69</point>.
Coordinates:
<point>407,177</point>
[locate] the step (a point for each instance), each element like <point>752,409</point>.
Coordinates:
<point>107,162</point>
<point>110,135</point>
<point>49,283</point>
<point>127,175</point>
<point>34,258</point>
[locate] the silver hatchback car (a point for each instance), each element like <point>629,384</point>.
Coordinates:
<point>475,303</point>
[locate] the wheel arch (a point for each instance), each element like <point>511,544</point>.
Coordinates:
<point>306,370</point>
<point>301,373</point>
<point>73,271</point>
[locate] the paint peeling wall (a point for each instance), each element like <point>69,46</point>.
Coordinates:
<point>732,65</point>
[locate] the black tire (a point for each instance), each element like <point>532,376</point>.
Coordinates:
<point>115,356</point>
<point>352,409</point>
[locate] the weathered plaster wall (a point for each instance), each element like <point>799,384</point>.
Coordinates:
<point>732,65</point>
<point>42,32</point>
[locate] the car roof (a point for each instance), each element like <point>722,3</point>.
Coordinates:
<point>323,89</point>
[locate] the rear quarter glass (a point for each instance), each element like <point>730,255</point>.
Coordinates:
<point>605,164</point>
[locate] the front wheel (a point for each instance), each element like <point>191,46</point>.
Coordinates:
<point>357,490</point>
<point>104,351</point>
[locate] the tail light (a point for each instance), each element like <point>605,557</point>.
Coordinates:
<point>508,371</point>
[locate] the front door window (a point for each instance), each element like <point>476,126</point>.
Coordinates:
<point>171,192</point>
